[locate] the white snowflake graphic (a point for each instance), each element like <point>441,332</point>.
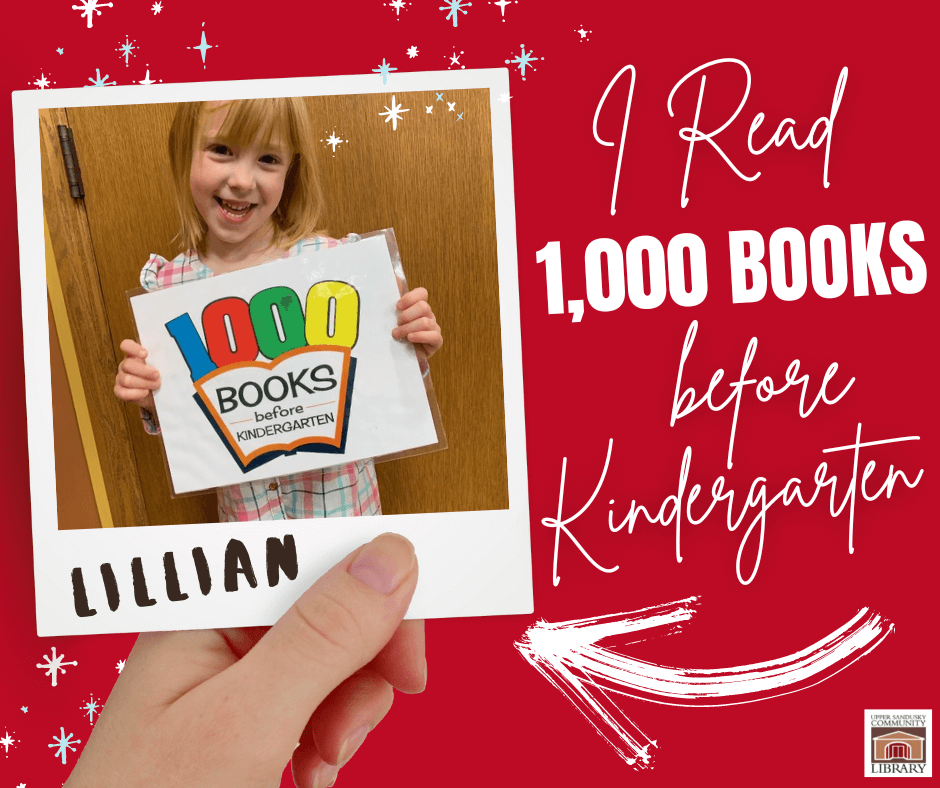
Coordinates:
<point>454,7</point>
<point>64,743</point>
<point>504,97</point>
<point>502,6</point>
<point>91,708</point>
<point>204,46</point>
<point>42,83</point>
<point>523,60</point>
<point>333,141</point>
<point>455,60</point>
<point>394,114</point>
<point>120,665</point>
<point>7,741</point>
<point>55,664</point>
<point>91,7</point>
<point>24,709</point>
<point>398,5</point>
<point>156,8</point>
<point>126,50</point>
<point>412,51</point>
<point>450,106</point>
<point>582,33</point>
<point>384,70</point>
<point>147,80</point>
<point>429,110</point>
<point>60,50</point>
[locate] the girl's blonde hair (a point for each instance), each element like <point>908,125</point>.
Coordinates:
<point>249,120</point>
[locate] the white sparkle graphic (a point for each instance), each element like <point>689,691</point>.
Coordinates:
<point>523,60</point>
<point>156,8</point>
<point>429,109</point>
<point>333,141</point>
<point>89,8</point>
<point>393,114</point>
<point>204,46</point>
<point>502,6</point>
<point>147,80</point>
<point>42,83</point>
<point>55,664</point>
<point>24,709</point>
<point>91,708</point>
<point>504,97</point>
<point>454,7</point>
<point>7,741</point>
<point>126,50</point>
<point>120,665</point>
<point>455,59</point>
<point>412,51</point>
<point>60,50</point>
<point>450,106</point>
<point>398,5</point>
<point>582,33</point>
<point>64,743</point>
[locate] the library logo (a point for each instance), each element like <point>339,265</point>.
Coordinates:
<point>897,743</point>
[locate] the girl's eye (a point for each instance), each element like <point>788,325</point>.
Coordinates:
<point>219,149</point>
<point>270,158</point>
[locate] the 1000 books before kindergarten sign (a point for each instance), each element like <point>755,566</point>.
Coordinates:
<point>283,368</point>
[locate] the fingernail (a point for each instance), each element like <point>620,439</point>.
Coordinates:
<point>325,775</point>
<point>353,743</point>
<point>384,563</point>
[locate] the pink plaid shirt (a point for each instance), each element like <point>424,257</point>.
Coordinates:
<point>340,491</point>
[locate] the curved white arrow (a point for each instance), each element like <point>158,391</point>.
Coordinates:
<point>567,654</point>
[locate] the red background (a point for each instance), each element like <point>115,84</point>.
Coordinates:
<point>486,715</point>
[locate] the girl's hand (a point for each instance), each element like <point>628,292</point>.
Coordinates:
<point>135,380</point>
<point>226,708</point>
<point>416,321</point>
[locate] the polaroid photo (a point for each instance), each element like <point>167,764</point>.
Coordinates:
<point>103,208</point>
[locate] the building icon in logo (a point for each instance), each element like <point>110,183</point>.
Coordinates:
<point>898,746</point>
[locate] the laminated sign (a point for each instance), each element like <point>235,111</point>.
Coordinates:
<point>285,367</point>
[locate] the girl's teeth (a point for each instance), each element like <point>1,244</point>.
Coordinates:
<point>235,210</point>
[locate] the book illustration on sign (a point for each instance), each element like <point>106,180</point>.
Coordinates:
<point>299,399</point>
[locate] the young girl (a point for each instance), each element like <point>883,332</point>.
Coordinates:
<point>248,193</point>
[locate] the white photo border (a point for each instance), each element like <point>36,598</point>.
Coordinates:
<point>472,563</point>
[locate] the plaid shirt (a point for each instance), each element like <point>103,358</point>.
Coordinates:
<point>340,491</point>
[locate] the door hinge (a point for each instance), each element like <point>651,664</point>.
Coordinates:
<point>70,156</point>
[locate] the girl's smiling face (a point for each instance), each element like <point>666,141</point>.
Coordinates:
<point>237,187</point>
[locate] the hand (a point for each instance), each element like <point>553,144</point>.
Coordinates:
<point>226,708</point>
<point>135,379</point>
<point>416,321</point>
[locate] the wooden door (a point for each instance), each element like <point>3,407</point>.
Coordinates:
<point>431,179</point>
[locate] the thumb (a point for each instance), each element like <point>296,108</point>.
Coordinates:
<point>336,627</point>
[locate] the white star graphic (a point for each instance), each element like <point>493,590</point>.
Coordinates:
<point>393,114</point>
